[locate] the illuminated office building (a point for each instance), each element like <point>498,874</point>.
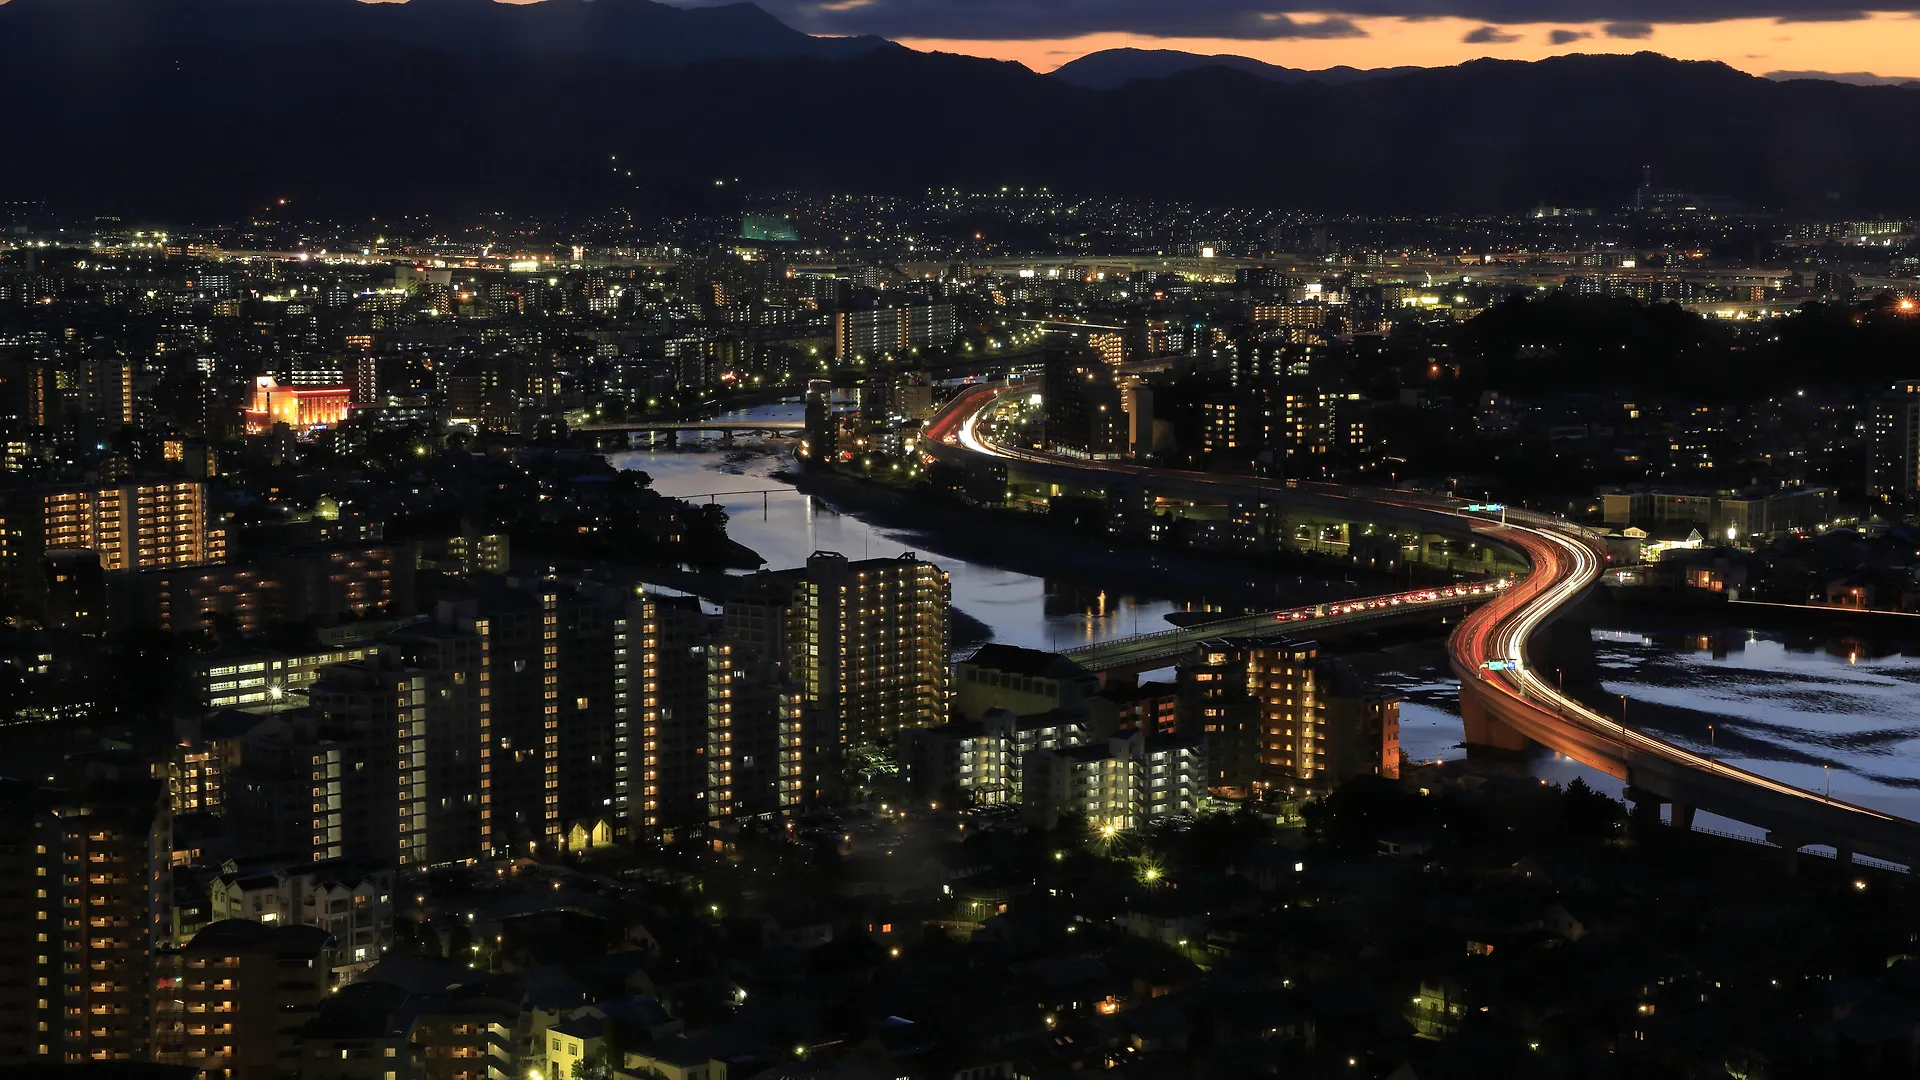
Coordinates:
<point>302,408</point>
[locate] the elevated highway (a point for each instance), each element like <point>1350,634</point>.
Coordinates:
<point>1143,651</point>
<point>1503,701</point>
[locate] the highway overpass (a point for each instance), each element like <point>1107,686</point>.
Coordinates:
<point>1504,703</point>
<point>1144,651</point>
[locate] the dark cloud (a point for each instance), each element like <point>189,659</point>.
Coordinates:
<point>1567,37</point>
<point>1266,20</point>
<point>1489,35</point>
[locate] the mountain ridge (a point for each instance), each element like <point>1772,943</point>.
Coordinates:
<point>634,31</point>
<point>172,120</point>
<point>1109,69</point>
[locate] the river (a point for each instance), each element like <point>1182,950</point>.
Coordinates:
<point>1822,711</point>
<point>784,527</point>
<point>1808,712</point>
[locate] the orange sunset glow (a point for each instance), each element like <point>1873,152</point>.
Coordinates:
<point>1886,44</point>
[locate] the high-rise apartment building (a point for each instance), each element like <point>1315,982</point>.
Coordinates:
<point>230,1001</point>
<point>1278,716</point>
<point>293,587</point>
<point>717,730</point>
<point>85,887</point>
<point>1893,445</point>
<point>865,641</point>
<point>133,526</point>
<point>1084,409</point>
<point>894,329</point>
<point>532,716</point>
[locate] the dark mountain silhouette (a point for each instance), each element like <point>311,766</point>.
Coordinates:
<point>196,109</point>
<point>1113,68</point>
<point>637,31</point>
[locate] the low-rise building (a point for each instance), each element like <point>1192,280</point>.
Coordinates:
<point>980,761</point>
<point>1123,783</point>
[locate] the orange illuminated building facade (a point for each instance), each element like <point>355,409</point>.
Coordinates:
<point>302,408</point>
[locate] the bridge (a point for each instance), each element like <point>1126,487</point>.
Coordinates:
<point>1503,703</point>
<point>1144,651</point>
<point>672,428</point>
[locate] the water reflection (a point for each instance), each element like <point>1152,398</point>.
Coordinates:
<point>784,526</point>
<point>1804,709</point>
<point>1838,712</point>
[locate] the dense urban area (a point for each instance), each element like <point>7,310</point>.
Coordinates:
<point>364,721</point>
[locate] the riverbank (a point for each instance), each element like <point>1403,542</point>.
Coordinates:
<point>1027,543</point>
<point>1697,609</point>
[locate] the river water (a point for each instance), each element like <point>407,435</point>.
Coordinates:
<point>1824,712</point>
<point>786,526</point>
<point>1842,715</point>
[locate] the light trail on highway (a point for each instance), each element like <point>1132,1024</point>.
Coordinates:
<point>1564,564</point>
<point>1563,568</point>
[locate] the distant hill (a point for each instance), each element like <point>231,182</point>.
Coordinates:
<point>637,31</point>
<point>1113,68</point>
<point>205,109</point>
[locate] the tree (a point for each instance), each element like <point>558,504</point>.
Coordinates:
<point>1588,816</point>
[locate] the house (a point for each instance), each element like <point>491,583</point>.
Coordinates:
<point>722,1055</point>
<point>796,928</point>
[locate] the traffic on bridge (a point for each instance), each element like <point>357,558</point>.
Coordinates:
<point>1142,651</point>
<point>1504,702</point>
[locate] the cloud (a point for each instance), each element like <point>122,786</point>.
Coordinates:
<point>1489,35</point>
<point>1270,20</point>
<point>1567,37</point>
<point>1857,78</point>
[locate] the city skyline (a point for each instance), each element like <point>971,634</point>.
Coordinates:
<point>611,540</point>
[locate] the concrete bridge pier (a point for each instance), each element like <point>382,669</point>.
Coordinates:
<point>1843,855</point>
<point>673,437</point>
<point>726,438</point>
<point>1640,797</point>
<point>1485,730</point>
<point>1789,849</point>
<point>1682,819</point>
